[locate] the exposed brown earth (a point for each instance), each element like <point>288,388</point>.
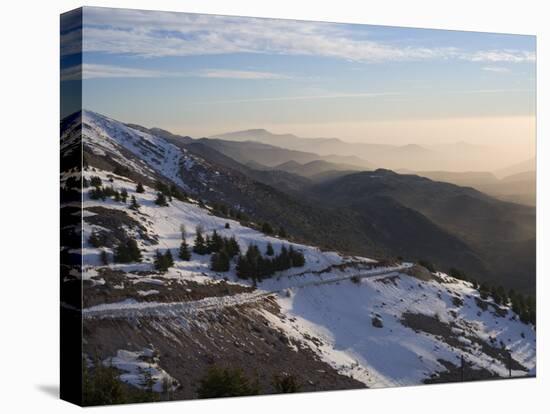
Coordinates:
<point>118,287</point>
<point>230,337</point>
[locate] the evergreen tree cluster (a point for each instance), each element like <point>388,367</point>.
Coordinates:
<point>286,384</point>
<point>214,243</point>
<point>74,182</point>
<point>232,382</point>
<point>122,171</point>
<point>127,252</point>
<point>428,265</point>
<point>268,229</point>
<point>253,265</point>
<point>226,382</point>
<point>170,191</point>
<point>524,306</point>
<point>223,249</point>
<point>163,261</point>
<point>97,239</point>
<point>101,386</point>
<point>220,261</point>
<point>221,209</point>
<point>99,192</point>
<point>95,181</point>
<point>161,200</point>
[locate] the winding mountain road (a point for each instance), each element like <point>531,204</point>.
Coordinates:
<point>134,309</point>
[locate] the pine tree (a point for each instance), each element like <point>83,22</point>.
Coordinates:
<point>127,252</point>
<point>117,196</point>
<point>264,268</point>
<point>95,181</point>
<point>184,253</point>
<point>282,233</point>
<point>216,242</point>
<point>109,191</point>
<point>200,246</point>
<point>124,195</point>
<point>243,267</point>
<point>282,261</point>
<point>163,261</point>
<point>139,188</point>
<point>134,204</point>
<point>297,258</point>
<point>253,257</point>
<point>269,249</point>
<point>159,261</point>
<point>169,258</point>
<point>266,228</point>
<point>161,200</point>
<point>104,258</point>
<point>226,383</point>
<point>227,226</point>
<point>208,244</point>
<point>232,247</point>
<point>219,261</point>
<point>97,193</point>
<point>176,193</point>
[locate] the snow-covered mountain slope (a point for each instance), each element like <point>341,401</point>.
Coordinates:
<point>154,154</point>
<point>397,330</point>
<point>364,322</point>
<point>164,224</point>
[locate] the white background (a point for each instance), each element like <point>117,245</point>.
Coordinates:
<point>29,221</point>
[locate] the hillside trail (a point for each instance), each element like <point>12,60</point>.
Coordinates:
<point>134,309</point>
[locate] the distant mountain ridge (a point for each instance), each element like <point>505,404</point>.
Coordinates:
<point>527,165</point>
<point>518,187</point>
<point>457,156</point>
<point>314,168</point>
<point>271,156</point>
<point>502,235</point>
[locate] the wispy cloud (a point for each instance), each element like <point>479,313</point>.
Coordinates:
<point>159,34</point>
<point>303,97</point>
<point>341,95</point>
<point>99,71</point>
<point>95,71</point>
<point>240,74</point>
<point>509,56</point>
<point>496,69</point>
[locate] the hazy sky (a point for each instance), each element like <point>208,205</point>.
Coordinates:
<point>200,75</point>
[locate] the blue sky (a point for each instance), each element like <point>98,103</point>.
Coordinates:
<point>202,74</point>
